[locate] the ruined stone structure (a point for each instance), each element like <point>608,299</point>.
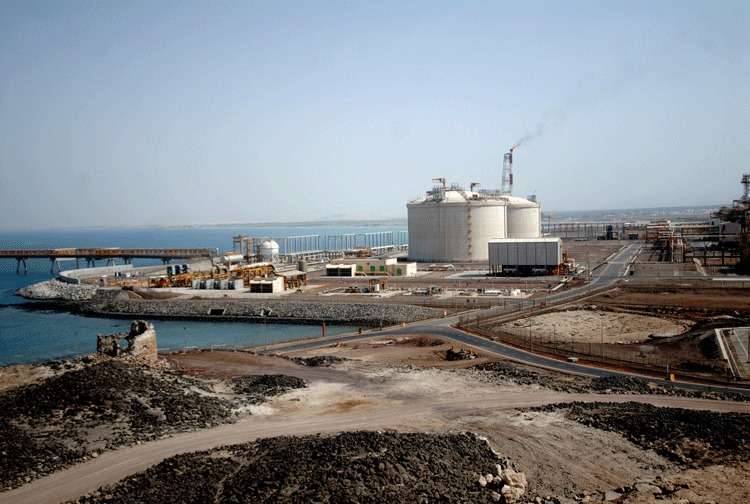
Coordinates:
<point>140,342</point>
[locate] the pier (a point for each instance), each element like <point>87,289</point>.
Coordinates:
<point>110,254</point>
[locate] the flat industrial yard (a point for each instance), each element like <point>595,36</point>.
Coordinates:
<point>591,325</point>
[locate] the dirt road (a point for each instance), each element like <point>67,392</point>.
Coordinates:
<point>428,413</point>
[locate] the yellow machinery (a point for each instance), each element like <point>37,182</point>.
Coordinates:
<point>254,270</point>
<point>246,273</point>
<point>294,279</point>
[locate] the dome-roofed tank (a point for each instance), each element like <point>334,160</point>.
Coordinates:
<point>269,251</point>
<point>451,224</point>
<point>524,218</point>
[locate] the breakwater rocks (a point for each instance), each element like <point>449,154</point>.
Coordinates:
<point>56,290</point>
<point>265,310</point>
<point>348,467</point>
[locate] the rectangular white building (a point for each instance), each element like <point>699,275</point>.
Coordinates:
<point>372,266</point>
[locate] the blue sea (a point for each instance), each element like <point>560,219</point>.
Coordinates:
<point>32,335</point>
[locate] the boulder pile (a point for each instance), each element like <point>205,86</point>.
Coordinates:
<point>90,408</point>
<point>397,468</point>
<point>257,388</point>
<point>57,290</point>
<point>687,437</point>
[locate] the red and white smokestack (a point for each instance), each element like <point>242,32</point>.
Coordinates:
<point>507,180</point>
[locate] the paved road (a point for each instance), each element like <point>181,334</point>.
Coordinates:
<point>606,276</point>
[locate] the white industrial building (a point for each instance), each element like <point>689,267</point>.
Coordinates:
<point>524,256</point>
<point>271,285</point>
<point>451,224</point>
<point>372,266</point>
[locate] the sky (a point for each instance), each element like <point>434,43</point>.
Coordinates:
<point>170,113</point>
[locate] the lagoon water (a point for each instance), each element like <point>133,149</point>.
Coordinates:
<point>29,336</point>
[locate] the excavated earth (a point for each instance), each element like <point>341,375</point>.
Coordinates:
<point>364,467</point>
<point>692,438</point>
<point>257,388</point>
<point>80,413</point>
<point>504,373</point>
<point>318,360</point>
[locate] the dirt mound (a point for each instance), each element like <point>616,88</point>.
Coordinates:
<point>688,437</point>
<point>22,454</point>
<point>190,478</point>
<point>318,360</point>
<point>621,384</point>
<point>503,373</point>
<point>419,341</point>
<point>508,373</point>
<point>47,425</point>
<point>113,390</point>
<point>259,387</point>
<point>350,467</point>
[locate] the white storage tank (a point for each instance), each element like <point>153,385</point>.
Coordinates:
<point>524,218</point>
<point>233,258</point>
<point>455,225</point>
<point>269,251</point>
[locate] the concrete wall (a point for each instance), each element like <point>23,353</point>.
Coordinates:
<point>75,276</point>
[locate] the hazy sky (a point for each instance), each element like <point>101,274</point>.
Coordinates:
<point>129,112</point>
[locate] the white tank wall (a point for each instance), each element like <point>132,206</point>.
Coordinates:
<point>444,232</point>
<point>524,221</point>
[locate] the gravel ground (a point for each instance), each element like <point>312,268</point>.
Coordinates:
<point>356,467</point>
<point>589,323</point>
<point>92,408</point>
<point>268,310</point>
<point>687,437</point>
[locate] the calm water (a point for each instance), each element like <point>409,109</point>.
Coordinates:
<point>27,336</point>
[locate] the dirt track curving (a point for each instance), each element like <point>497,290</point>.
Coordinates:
<point>362,396</point>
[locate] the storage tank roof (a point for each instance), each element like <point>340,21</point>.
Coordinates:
<point>459,196</point>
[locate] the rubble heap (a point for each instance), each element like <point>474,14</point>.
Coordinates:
<point>318,360</point>
<point>257,388</point>
<point>349,467</point>
<point>693,438</point>
<point>47,425</point>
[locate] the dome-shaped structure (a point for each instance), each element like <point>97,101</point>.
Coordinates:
<point>524,218</point>
<point>455,225</point>
<point>269,251</point>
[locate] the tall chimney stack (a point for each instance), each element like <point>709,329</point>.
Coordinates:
<point>507,180</point>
